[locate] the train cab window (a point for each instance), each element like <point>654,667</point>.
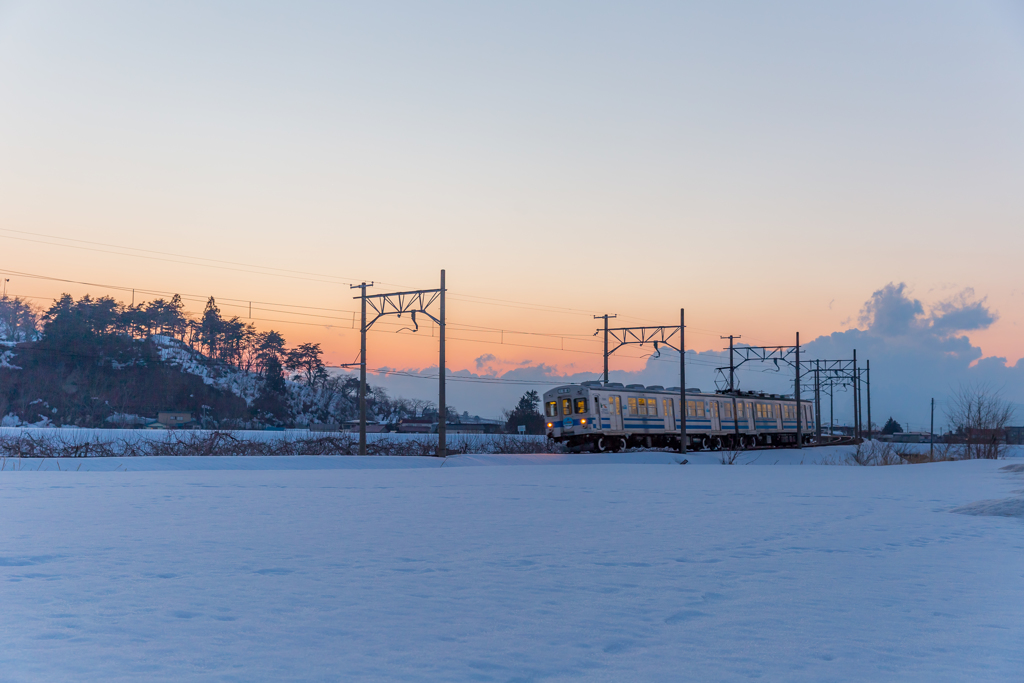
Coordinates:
<point>652,406</point>
<point>631,402</point>
<point>566,406</point>
<point>551,409</point>
<point>581,406</point>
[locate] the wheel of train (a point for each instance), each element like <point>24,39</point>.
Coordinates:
<point>715,443</point>
<point>749,441</point>
<point>602,445</point>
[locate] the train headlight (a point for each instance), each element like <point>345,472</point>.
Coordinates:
<point>550,425</point>
<point>583,421</point>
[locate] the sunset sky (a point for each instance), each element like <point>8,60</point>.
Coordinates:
<point>767,166</point>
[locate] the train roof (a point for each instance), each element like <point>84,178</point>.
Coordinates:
<point>657,388</point>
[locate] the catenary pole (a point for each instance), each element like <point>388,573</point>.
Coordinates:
<point>931,434</point>
<point>442,431</point>
<point>732,390</point>
<point>831,408</point>
<point>362,366</point>
<point>682,381</point>
<point>868,362</point>
<point>796,394</point>
<point>817,401</point>
<point>856,408</point>
<point>606,317</point>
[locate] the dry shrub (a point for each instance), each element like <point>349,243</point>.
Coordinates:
<point>875,454</point>
<point>55,444</point>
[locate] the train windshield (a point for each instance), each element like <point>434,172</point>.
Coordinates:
<point>551,409</point>
<point>566,406</point>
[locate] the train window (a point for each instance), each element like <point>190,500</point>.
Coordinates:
<point>615,403</point>
<point>760,410</point>
<point>641,406</point>
<point>551,409</point>
<point>739,409</point>
<point>700,408</point>
<point>714,408</point>
<point>631,402</point>
<point>668,407</point>
<point>727,411</point>
<point>769,411</point>
<point>581,406</point>
<point>652,406</point>
<point>566,406</point>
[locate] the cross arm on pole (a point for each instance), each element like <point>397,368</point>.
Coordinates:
<point>398,303</point>
<point>663,335</point>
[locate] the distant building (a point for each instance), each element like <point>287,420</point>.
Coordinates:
<point>416,425</point>
<point>325,427</point>
<point>173,419</point>
<point>1014,435</point>
<point>490,427</point>
<point>371,427</point>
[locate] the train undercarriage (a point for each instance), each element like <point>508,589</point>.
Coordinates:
<point>613,443</point>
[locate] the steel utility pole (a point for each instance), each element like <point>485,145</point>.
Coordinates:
<point>442,428</point>
<point>605,317</point>
<point>732,367</point>
<point>817,401</point>
<point>831,409</point>
<point>931,434</point>
<point>796,395</point>
<point>362,365</point>
<point>868,363</point>
<point>856,388</point>
<point>732,387</point>
<point>682,380</point>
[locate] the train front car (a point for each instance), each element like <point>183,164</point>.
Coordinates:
<point>573,415</point>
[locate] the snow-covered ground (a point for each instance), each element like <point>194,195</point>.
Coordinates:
<point>615,568</point>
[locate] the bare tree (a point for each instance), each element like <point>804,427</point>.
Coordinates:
<point>978,413</point>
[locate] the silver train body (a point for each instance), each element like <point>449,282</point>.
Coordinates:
<point>599,417</point>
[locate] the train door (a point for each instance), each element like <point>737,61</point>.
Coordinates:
<point>778,416</point>
<point>668,406</point>
<point>750,416</point>
<point>615,408</point>
<point>716,423</point>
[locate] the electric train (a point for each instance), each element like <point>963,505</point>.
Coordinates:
<point>612,417</point>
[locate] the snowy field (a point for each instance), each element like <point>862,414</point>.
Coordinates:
<point>491,568</point>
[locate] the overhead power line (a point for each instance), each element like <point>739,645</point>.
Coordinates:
<point>240,266</point>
